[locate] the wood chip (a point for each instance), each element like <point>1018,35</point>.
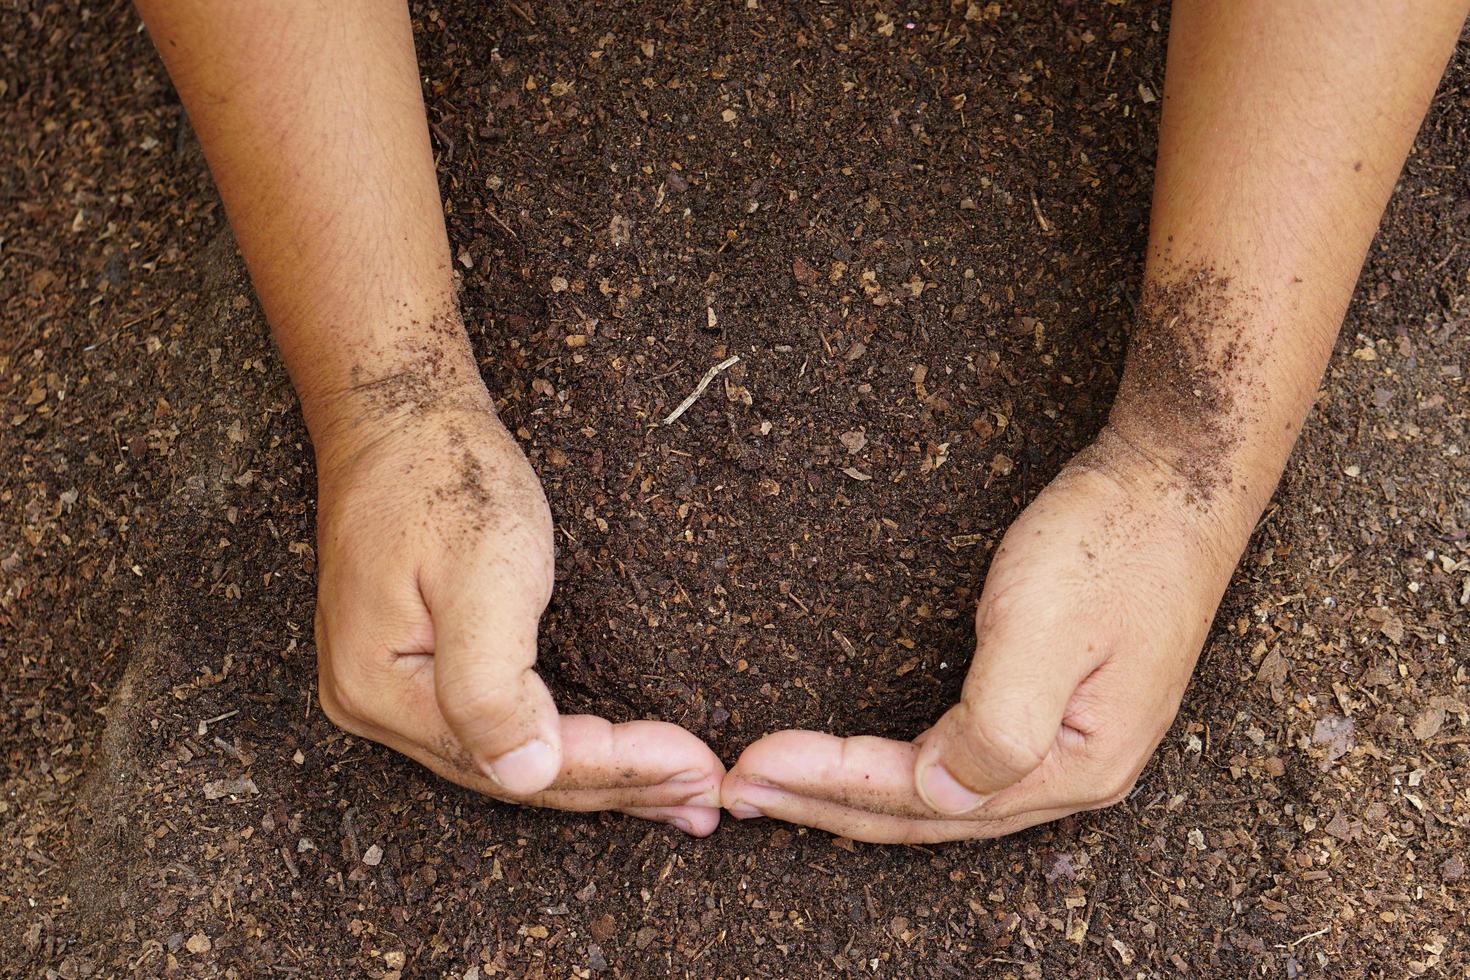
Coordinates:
<point>1427,723</point>
<point>220,788</point>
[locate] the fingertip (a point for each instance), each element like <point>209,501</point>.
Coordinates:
<point>698,787</point>
<point>509,725</point>
<point>776,749</point>
<point>696,821</point>
<point>700,821</point>
<point>935,782</point>
<point>984,749</point>
<point>736,796</point>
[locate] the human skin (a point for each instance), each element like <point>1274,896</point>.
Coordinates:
<point>1285,125</point>
<point>434,537</point>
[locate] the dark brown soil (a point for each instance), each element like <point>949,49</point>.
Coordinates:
<point>922,232</point>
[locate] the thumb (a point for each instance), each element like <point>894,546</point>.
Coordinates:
<point>487,688</point>
<point>1006,723</point>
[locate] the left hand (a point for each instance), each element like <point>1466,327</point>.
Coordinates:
<point>436,551</point>
<point>1097,603</point>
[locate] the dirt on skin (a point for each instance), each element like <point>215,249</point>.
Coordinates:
<point>431,367</point>
<point>1189,369</point>
<point>922,231</point>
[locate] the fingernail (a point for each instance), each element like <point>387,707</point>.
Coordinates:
<point>523,769</point>
<point>681,823</point>
<point>743,811</point>
<point>689,776</point>
<point>944,793</point>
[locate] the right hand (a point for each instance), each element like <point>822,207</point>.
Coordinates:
<point>435,564</point>
<point>1095,608</point>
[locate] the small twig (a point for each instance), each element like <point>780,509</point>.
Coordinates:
<point>509,230</point>
<point>349,831</point>
<point>709,376</point>
<point>1301,939</point>
<point>1235,802</point>
<point>151,948</point>
<point>1445,261</point>
<point>228,749</point>
<point>204,725</point>
<point>290,862</point>
<point>1040,218</point>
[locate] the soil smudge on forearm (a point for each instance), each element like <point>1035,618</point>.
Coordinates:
<point>1187,384</point>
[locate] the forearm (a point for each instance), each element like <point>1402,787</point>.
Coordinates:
<point>1284,128</point>
<point>312,121</point>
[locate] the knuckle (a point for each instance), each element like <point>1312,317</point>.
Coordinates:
<point>343,688</point>
<point>341,703</point>
<point>338,702</point>
<point>1011,748</point>
<point>1112,790</point>
<point>476,706</point>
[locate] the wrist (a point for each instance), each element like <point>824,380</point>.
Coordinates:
<point>385,397</point>
<point>1217,500</point>
<point>1210,393</point>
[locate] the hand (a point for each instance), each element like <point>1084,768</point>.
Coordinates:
<point>435,547</point>
<point>1096,606</point>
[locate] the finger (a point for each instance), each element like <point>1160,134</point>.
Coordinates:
<point>628,787</point>
<point>862,787</point>
<point>750,800</point>
<point>1009,715</point>
<point>877,775</point>
<point>863,772</point>
<point>637,764</point>
<point>497,706</point>
<point>696,821</point>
